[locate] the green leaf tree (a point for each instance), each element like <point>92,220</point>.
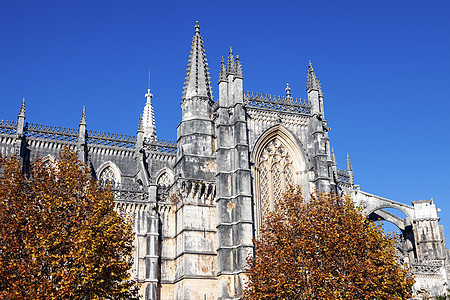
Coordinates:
<point>324,248</point>
<point>60,237</point>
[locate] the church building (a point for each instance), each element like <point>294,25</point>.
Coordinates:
<point>199,201</point>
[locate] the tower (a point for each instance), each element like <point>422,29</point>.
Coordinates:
<point>192,194</point>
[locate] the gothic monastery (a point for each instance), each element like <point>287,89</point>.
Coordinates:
<point>198,201</point>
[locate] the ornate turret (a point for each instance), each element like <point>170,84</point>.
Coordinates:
<point>197,82</point>
<point>148,119</point>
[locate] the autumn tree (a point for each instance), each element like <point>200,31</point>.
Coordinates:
<point>60,237</point>
<point>324,248</point>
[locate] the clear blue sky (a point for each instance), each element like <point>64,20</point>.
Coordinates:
<point>384,68</point>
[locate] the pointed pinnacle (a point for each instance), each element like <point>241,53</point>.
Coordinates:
<point>22,108</point>
<point>83,117</point>
<point>333,156</point>
<point>349,164</point>
<point>313,82</point>
<point>223,71</point>
<point>231,63</point>
<point>238,67</point>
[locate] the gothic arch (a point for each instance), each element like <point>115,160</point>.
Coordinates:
<point>164,177</point>
<point>278,160</point>
<point>108,172</point>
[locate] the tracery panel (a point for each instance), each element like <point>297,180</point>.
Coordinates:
<point>275,174</point>
<point>108,176</point>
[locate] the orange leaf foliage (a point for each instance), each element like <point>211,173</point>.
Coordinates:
<point>324,248</point>
<point>60,237</point>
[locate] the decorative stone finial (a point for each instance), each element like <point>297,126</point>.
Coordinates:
<point>149,96</point>
<point>197,28</point>
<point>288,91</point>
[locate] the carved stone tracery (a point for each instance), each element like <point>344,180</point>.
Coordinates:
<point>108,176</point>
<point>276,174</point>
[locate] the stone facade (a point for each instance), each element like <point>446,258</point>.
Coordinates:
<point>198,201</point>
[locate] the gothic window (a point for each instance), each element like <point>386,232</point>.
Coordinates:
<point>164,179</point>
<point>49,162</point>
<point>108,176</point>
<point>275,174</point>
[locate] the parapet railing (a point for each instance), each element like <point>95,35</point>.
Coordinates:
<point>50,132</point>
<point>110,139</point>
<point>165,146</point>
<point>343,176</point>
<point>278,103</point>
<point>127,191</point>
<point>8,127</point>
<point>70,135</point>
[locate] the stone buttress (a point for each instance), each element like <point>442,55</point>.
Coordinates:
<point>234,198</point>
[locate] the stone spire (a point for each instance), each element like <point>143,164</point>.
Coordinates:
<point>313,81</point>
<point>223,71</point>
<point>148,118</point>
<point>197,81</point>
